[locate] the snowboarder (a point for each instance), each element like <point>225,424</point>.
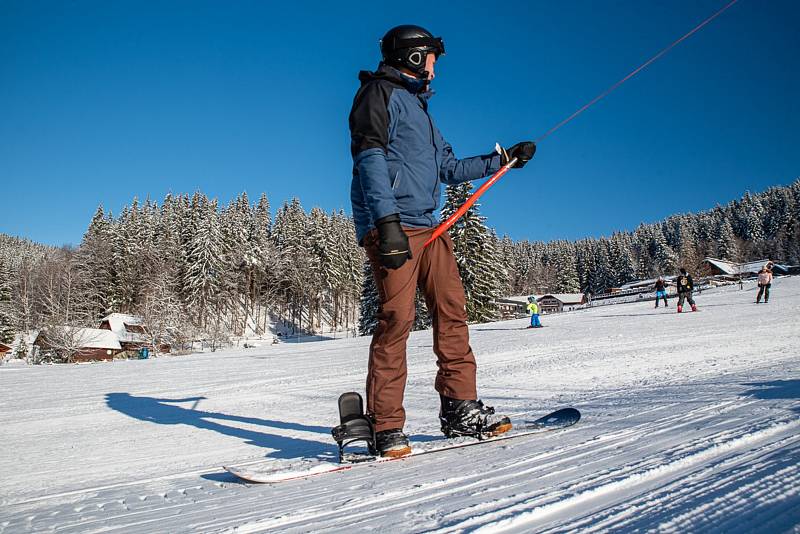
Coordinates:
<point>685,288</point>
<point>764,283</point>
<point>661,291</point>
<point>533,308</point>
<point>399,158</point>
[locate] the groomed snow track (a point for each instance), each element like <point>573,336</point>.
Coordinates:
<point>690,423</point>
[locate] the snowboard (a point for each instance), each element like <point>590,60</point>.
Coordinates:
<point>269,473</point>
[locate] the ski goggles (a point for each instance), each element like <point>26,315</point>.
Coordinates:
<point>432,44</point>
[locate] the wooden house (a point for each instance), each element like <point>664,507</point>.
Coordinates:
<point>131,332</point>
<point>510,307</point>
<point>561,302</point>
<point>91,344</point>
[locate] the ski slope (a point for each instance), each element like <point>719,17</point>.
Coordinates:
<point>690,422</point>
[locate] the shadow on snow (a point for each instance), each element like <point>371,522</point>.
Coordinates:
<point>165,412</point>
<point>776,389</point>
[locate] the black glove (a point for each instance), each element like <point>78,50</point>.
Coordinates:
<point>392,242</point>
<point>523,151</point>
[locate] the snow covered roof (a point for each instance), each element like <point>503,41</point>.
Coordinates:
<point>565,298</point>
<point>27,338</point>
<point>95,338</point>
<point>120,323</point>
<point>729,267</point>
<point>649,282</point>
<point>726,267</point>
<point>519,299</point>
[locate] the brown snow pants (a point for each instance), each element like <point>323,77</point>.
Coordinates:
<point>435,272</point>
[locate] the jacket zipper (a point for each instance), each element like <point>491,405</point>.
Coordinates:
<point>435,155</point>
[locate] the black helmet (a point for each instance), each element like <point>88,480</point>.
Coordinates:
<point>408,46</point>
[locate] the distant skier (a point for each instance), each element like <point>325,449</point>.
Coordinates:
<point>764,283</point>
<point>661,291</point>
<point>685,288</point>
<point>533,309</point>
<point>399,160</point>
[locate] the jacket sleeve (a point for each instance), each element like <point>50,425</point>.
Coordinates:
<point>369,137</point>
<point>455,171</point>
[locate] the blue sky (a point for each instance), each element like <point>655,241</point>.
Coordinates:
<point>104,101</point>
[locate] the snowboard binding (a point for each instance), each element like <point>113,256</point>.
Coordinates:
<point>354,427</point>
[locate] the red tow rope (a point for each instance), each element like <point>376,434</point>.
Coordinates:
<point>499,174</point>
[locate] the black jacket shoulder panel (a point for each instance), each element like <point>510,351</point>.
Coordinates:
<point>369,117</point>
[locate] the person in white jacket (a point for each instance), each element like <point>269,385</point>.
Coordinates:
<point>764,283</point>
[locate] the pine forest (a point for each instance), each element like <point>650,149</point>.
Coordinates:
<point>196,270</point>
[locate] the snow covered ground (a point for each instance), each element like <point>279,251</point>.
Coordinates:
<point>691,423</point>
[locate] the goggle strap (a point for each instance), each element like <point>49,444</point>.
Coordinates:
<point>415,42</point>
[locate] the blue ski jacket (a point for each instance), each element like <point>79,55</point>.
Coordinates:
<point>399,155</point>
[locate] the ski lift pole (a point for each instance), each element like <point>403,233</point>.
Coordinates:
<point>442,228</point>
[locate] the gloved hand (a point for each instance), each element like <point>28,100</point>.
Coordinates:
<point>392,242</point>
<point>523,151</point>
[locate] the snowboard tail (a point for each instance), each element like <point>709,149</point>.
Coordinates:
<point>271,474</point>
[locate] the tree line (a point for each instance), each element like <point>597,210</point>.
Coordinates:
<point>195,269</point>
<point>765,225</point>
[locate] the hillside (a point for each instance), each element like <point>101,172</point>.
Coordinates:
<point>691,422</point>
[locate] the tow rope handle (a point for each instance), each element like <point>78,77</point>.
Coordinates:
<point>442,228</point>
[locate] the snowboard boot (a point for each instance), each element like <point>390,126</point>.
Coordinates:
<point>392,443</point>
<point>471,418</point>
<point>680,308</point>
<point>694,308</point>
